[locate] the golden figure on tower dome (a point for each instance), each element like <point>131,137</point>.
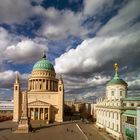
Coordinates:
<point>116,67</point>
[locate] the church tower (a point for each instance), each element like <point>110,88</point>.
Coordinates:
<point>17,100</point>
<point>61,98</point>
<point>116,88</point>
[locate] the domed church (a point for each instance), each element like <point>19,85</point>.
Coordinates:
<point>44,97</point>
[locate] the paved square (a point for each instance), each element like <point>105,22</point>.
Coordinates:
<point>59,132</point>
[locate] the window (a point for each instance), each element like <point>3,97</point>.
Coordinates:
<point>16,88</point>
<point>124,104</point>
<point>130,120</point>
<point>112,93</point>
<point>120,93</point>
<point>132,104</point>
<point>60,88</point>
<point>112,125</point>
<point>117,116</point>
<point>112,115</point>
<point>117,128</point>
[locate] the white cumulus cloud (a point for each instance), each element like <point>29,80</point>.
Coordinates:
<point>25,51</point>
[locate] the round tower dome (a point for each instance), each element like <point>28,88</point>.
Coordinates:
<point>43,64</point>
<point>117,87</point>
<point>116,80</point>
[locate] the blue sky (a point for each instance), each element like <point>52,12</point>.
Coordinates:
<point>82,38</point>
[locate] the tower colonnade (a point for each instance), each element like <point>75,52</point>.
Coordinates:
<point>46,84</point>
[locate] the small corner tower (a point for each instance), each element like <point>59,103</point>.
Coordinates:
<point>61,98</point>
<point>117,87</point>
<point>17,100</point>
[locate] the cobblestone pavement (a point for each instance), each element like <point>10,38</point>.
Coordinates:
<point>58,132</point>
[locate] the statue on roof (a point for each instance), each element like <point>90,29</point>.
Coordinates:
<point>116,67</point>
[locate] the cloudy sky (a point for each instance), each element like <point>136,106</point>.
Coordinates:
<point>82,38</point>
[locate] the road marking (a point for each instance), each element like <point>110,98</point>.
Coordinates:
<point>82,131</point>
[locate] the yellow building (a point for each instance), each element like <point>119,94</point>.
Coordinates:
<point>45,94</point>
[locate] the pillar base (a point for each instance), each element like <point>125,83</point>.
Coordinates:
<point>23,126</point>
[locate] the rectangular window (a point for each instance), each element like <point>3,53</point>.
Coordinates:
<point>130,120</point>
<point>16,88</point>
<point>112,125</point>
<point>112,93</point>
<point>117,116</point>
<point>120,93</point>
<point>117,127</point>
<point>124,104</point>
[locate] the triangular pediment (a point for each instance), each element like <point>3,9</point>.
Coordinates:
<point>38,103</point>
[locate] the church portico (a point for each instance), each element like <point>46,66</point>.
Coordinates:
<point>36,113</point>
<point>39,110</point>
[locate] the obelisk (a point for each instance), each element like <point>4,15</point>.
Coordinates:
<point>23,126</point>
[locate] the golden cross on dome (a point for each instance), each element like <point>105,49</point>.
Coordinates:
<point>116,67</point>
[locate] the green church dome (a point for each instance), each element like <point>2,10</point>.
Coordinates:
<point>43,64</point>
<point>116,80</point>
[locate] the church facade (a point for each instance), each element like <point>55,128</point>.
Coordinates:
<point>45,94</point>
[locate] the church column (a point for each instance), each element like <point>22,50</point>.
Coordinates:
<point>31,85</point>
<point>45,84</point>
<point>43,113</point>
<point>37,84</point>
<point>38,113</point>
<point>41,84</point>
<point>33,113</point>
<point>48,113</point>
<point>29,112</point>
<point>53,85</point>
<point>34,84</point>
<point>48,84</point>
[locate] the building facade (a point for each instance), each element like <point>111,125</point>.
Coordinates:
<point>6,106</point>
<point>129,124</point>
<point>45,94</point>
<point>109,110</point>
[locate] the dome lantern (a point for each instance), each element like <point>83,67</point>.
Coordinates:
<point>116,80</point>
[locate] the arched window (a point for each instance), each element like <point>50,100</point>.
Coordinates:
<point>60,88</point>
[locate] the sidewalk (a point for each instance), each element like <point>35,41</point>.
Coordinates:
<point>104,134</point>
